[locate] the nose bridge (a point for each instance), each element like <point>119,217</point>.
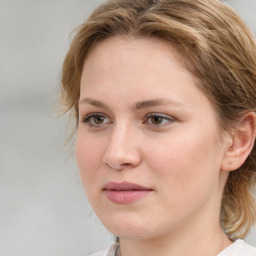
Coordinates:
<point>120,133</point>
<point>122,149</point>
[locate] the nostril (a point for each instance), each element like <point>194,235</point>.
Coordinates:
<point>126,164</point>
<point>118,166</point>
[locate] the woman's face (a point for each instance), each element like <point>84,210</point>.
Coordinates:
<point>148,146</point>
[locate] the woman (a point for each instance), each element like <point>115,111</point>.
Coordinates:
<point>164,97</point>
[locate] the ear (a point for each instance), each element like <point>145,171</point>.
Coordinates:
<point>240,143</point>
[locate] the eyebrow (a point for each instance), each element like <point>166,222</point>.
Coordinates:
<point>92,102</point>
<point>138,105</point>
<point>156,102</point>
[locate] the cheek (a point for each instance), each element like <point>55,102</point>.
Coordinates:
<point>186,173</point>
<point>187,161</point>
<point>88,157</point>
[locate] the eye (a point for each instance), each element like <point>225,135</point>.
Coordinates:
<point>95,119</point>
<point>158,120</point>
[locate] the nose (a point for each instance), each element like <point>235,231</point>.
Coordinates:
<point>123,149</point>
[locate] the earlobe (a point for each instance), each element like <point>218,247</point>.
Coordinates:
<point>242,141</point>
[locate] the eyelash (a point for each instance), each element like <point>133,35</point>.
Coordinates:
<point>88,120</point>
<point>161,116</point>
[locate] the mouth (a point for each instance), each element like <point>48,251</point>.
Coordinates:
<point>125,192</point>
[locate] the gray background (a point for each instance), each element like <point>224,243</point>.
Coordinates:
<point>43,209</point>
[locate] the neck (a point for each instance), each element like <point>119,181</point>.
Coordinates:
<point>206,244</point>
<point>203,246</point>
<point>196,237</point>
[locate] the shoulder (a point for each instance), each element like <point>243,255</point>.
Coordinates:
<point>239,248</point>
<point>110,251</point>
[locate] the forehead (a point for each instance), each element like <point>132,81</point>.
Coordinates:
<point>120,43</point>
<point>120,58</point>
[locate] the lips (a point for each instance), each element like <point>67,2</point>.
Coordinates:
<point>125,192</point>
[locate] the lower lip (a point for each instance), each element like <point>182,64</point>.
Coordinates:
<point>125,196</point>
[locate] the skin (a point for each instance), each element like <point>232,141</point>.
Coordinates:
<point>179,155</point>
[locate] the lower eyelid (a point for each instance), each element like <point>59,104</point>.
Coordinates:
<point>88,116</point>
<point>87,120</point>
<point>166,121</point>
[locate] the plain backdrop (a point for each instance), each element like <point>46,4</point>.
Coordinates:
<point>43,209</point>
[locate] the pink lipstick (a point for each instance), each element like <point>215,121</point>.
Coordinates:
<point>125,192</point>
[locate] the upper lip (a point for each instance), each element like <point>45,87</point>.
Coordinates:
<point>124,186</point>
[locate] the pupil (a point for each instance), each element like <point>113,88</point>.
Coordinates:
<point>157,120</point>
<point>98,119</point>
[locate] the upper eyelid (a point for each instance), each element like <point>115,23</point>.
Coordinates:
<point>151,114</point>
<point>93,114</point>
<point>161,115</point>
<point>86,120</point>
<point>107,116</point>
<point>167,120</point>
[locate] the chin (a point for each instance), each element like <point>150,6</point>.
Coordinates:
<point>129,227</point>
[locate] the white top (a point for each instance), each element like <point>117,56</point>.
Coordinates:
<point>238,248</point>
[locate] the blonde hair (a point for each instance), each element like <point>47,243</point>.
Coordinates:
<point>217,47</point>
